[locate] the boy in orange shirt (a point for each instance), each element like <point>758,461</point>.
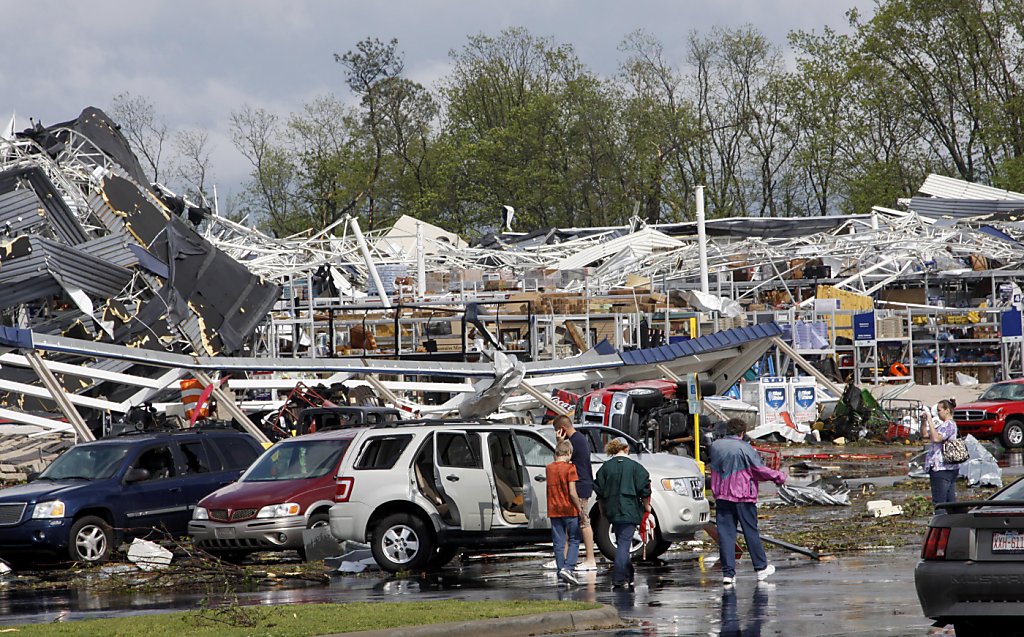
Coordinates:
<point>564,510</point>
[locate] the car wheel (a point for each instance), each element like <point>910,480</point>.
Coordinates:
<point>606,543</point>
<point>1013,434</point>
<point>315,521</point>
<point>645,397</point>
<point>402,542</point>
<point>91,541</point>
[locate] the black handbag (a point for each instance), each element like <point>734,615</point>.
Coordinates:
<point>954,451</point>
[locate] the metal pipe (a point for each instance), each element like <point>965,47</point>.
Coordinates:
<point>702,241</point>
<point>421,264</point>
<point>365,250</point>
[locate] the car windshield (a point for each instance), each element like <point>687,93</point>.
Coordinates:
<point>1004,391</point>
<point>296,459</point>
<point>87,462</point>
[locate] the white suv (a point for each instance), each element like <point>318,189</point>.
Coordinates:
<point>421,491</point>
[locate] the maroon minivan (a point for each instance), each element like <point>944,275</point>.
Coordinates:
<point>285,491</point>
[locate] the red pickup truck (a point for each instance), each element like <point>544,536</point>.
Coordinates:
<point>998,413</point>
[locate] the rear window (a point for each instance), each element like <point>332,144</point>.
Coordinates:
<point>296,460</point>
<point>382,452</point>
<point>236,451</point>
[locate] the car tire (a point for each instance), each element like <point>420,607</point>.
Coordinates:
<point>645,398</point>
<point>402,542</point>
<point>91,540</point>
<point>1013,434</point>
<point>315,521</point>
<point>606,542</point>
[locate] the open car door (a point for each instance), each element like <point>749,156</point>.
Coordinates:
<point>462,480</point>
<point>535,453</point>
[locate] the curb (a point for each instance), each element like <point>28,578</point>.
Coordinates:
<point>540,624</point>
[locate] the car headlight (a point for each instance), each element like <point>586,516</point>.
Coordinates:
<point>199,513</point>
<point>680,485</point>
<point>45,510</point>
<point>279,510</point>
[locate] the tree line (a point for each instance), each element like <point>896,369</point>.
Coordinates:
<point>852,120</point>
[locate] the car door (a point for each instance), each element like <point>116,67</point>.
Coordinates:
<point>159,502</point>
<point>535,453</point>
<point>464,483</point>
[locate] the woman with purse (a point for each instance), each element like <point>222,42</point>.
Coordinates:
<point>942,473</point>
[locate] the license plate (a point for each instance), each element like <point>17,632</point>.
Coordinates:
<point>1007,542</point>
<point>226,533</point>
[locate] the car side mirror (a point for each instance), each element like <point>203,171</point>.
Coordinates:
<point>136,475</point>
<point>32,476</point>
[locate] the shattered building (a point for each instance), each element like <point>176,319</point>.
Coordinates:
<point>90,251</point>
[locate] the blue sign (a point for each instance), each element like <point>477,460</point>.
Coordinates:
<point>864,328</point>
<point>804,397</point>
<point>1010,325</point>
<point>775,397</point>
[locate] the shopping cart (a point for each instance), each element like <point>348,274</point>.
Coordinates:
<point>772,458</point>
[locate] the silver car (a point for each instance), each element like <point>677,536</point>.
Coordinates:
<point>971,572</point>
<point>421,491</point>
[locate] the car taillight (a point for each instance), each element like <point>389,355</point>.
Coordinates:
<point>935,543</point>
<point>343,489</point>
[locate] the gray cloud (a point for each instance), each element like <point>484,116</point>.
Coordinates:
<point>197,60</point>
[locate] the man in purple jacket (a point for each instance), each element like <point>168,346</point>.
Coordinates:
<point>736,468</point>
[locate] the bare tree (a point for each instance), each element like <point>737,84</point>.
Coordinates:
<point>145,131</point>
<point>192,164</point>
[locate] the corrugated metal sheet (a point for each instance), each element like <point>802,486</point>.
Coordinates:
<point>113,248</point>
<point>19,211</point>
<point>63,221</point>
<point>951,188</point>
<point>713,342</point>
<point>74,267</point>
<point>963,208</point>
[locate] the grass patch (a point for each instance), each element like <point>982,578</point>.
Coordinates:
<point>297,620</point>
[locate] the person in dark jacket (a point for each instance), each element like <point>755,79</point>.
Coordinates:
<point>623,489</point>
<point>736,468</point>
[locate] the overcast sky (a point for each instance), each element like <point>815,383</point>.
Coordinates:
<point>197,60</point>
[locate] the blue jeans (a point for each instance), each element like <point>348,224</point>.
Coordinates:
<point>565,530</point>
<point>622,571</point>
<point>727,514</point>
<point>943,485</point>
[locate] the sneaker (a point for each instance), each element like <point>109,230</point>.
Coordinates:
<point>551,565</point>
<point>728,581</point>
<point>567,576</point>
<point>764,573</point>
<point>586,567</point>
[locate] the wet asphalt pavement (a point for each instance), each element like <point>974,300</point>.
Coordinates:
<point>857,594</point>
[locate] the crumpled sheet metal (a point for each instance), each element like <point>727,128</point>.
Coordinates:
<point>825,491</point>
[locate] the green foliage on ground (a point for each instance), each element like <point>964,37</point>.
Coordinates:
<point>298,620</point>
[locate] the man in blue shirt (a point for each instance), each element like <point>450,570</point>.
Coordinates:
<point>584,485</point>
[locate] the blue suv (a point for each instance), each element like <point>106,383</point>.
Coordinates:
<point>97,494</point>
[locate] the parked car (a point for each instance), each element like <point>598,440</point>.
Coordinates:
<point>677,475</point>
<point>97,494</point>
<point>971,562</point>
<point>998,413</point>
<point>421,491</point>
<point>289,489</point>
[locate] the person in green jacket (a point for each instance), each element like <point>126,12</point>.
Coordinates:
<point>623,489</point>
